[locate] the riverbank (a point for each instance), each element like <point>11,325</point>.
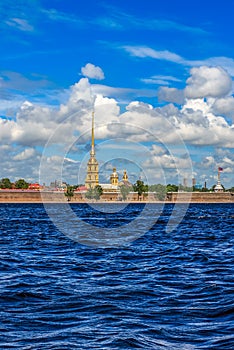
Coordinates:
<point>26,196</point>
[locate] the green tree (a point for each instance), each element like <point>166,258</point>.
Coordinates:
<point>89,194</point>
<point>94,193</point>
<point>204,189</point>
<point>5,183</point>
<point>21,184</point>
<point>140,188</point>
<point>145,191</point>
<point>185,188</point>
<point>98,191</point>
<point>124,189</point>
<point>69,193</point>
<point>159,191</point>
<point>172,188</point>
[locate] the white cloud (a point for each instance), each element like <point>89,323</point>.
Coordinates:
<point>225,62</point>
<point>118,19</point>
<point>35,124</point>
<point>144,52</point>
<point>92,71</point>
<point>199,126</point>
<point>224,106</point>
<point>164,167</point>
<point>69,160</point>
<point>171,95</point>
<point>26,154</point>
<point>167,161</point>
<point>106,110</point>
<point>155,81</point>
<point>20,23</point>
<point>160,80</point>
<point>228,161</point>
<point>208,167</point>
<point>16,81</point>
<point>157,150</point>
<point>208,162</point>
<point>60,16</point>
<point>208,82</point>
<point>123,95</point>
<point>7,107</point>
<point>195,123</point>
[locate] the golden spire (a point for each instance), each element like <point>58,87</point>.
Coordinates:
<point>92,145</point>
<point>92,178</point>
<point>125,176</point>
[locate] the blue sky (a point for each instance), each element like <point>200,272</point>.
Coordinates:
<point>159,75</point>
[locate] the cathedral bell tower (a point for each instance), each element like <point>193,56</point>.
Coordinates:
<point>92,179</point>
<point>114,178</point>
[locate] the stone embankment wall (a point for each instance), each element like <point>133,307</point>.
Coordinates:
<point>201,197</point>
<point>26,196</point>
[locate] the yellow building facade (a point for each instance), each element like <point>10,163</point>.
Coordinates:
<point>114,178</point>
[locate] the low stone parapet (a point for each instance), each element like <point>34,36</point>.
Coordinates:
<point>201,197</point>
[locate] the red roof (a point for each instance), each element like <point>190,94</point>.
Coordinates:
<point>81,188</point>
<point>34,186</point>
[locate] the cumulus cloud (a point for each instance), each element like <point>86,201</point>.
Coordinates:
<point>197,125</point>
<point>208,82</point>
<point>158,150</point>
<point>204,82</point>
<point>194,122</point>
<point>207,162</point>
<point>224,106</point>
<point>168,161</point>
<point>92,71</point>
<point>163,166</point>
<point>26,154</point>
<point>33,124</point>
<point>171,95</point>
<point>198,122</point>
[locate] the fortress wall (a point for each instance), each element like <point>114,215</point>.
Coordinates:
<point>35,197</point>
<point>25,196</point>
<point>201,197</point>
<point>19,196</point>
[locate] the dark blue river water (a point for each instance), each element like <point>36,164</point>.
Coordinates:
<point>166,289</point>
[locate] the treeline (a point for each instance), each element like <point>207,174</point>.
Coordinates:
<point>5,183</point>
<point>140,187</point>
<point>162,190</point>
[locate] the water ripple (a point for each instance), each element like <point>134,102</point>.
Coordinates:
<point>164,291</point>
